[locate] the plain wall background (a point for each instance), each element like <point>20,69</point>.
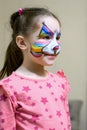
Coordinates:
<point>73,57</point>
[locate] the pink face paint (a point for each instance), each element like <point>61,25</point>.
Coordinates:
<point>44,45</point>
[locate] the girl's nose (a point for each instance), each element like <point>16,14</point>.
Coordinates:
<point>56,48</point>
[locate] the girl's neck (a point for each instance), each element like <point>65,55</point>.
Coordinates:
<point>32,71</point>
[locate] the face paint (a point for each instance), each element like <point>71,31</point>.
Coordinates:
<point>44,46</point>
<point>45,31</point>
<point>53,48</point>
<point>36,48</point>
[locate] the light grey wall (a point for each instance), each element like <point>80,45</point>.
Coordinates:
<point>73,58</point>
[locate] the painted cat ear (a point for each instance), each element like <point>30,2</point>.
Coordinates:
<point>45,31</point>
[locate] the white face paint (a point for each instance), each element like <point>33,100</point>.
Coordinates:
<point>53,47</point>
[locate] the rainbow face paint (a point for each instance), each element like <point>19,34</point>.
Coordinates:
<point>38,46</point>
<point>47,43</point>
<point>45,31</point>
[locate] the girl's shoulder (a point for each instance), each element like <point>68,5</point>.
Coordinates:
<point>7,79</point>
<point>4,83</point>
<point>59,74</point>
<point>64,80</point>
<point>7,90</point>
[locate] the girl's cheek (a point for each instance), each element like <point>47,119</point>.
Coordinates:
<point>38,45</point>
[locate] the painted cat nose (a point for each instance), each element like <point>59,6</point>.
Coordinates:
<point>55,48</point>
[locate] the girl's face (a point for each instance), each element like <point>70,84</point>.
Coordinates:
<point>44,42</point>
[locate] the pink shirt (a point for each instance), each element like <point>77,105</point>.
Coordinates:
<point>29,104</point>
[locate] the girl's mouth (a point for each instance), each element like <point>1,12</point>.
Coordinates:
<point>46,54</point>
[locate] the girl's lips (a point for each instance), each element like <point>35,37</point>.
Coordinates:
<point>50,54</point>
<point>52,57</point>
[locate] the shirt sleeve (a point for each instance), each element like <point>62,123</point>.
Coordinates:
<point>7,116</point>
<point>64,80</point>
<point>66,92</point>
<point>66,103</point>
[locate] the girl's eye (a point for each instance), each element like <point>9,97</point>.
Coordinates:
<point>58,37</point>
<point>46,37</point>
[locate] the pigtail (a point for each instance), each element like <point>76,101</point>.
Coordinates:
<point>14,56</point>
<point>13,60</point>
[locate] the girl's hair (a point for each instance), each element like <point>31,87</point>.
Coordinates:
<point>21,23</point>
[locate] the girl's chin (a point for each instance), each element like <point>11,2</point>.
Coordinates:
<point>49,63</point>
<point>49,60</point>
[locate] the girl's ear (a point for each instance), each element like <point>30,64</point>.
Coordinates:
<point>20,41</point>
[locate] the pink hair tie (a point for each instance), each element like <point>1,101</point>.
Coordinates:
<point>20,11</point>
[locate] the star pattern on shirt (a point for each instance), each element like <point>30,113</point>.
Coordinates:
<point>40,87</point>
<point>68,113</point>
<point>56,99</point>
<point>69,126</point>
<point>7,80</point>
<point>3,98</point>
<point>35,128</point>
<point>62,98</point>
<point>49,85</point>
<point>50,116</point>
<point>46,110</point>
<point>35,82</point>
<point>58,113</point>
<point>64,128</point>
<point>61,73</point>
<point>35,118</point>
<point>33,103</point>
<point>2,121</point>
<point>1,113</point>
<point>52,93</point>
<point>26,89</point>
<point>11,86</point>
<point>14,128</point>
<point>63,86</point>
<point>44,100</point>
<point>2,129</point>
<point>31,99</point>
<point>51,128</point>
<point>61,123</point>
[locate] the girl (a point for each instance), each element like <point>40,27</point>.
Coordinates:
<point>31,98</point>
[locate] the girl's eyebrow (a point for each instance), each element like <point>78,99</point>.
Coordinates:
<point>46,30</point>
<point>59,34</point>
